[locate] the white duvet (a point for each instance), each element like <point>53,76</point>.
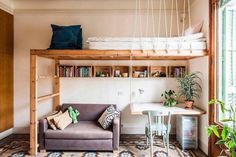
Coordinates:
<point>194,42</point>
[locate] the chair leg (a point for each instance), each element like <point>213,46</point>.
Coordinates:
<point>147,139</point>
<point>164,141</point>
<point>168,144</point>
<point>151,144</point>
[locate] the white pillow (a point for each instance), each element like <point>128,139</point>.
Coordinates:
<point>63,120</point>
<point>193,29</point>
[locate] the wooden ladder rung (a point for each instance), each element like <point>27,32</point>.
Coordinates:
<point>45,97</point>
<point>47,77</point>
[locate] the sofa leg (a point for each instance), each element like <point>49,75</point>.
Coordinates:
<point>116,152</point>
<point>42,151</point>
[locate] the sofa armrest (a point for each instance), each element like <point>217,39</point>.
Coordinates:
<point>116,133</point>
<point>43,126</point>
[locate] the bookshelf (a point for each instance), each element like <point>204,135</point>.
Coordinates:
<point>89,71</point>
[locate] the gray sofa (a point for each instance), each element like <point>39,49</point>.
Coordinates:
<point>87,134</point>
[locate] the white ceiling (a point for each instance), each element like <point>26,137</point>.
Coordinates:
<point>21,5</point>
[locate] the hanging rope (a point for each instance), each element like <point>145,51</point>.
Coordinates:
<point>189,21</point>
<point>153,26</point>
<point>153,19</point>
<point>171,17</point>
<point>159,19</point>
<point>189,14</point>
<point>147,22</point>
<point>165,19</point>
<point>140,24</point>
<point>177,16</point>
<point>183,25</point>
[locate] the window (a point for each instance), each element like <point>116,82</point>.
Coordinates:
<point>227,56</point>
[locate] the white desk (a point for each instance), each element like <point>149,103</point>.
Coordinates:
<point>179,109</point>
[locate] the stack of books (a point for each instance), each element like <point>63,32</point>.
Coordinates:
<point>74,71</point>
<point>66,71</point>
<point>83,71</point>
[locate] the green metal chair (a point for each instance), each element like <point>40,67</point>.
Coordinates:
<point>158,128</point>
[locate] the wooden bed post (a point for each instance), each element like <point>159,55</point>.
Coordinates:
<point>33,105</point>
<point>56,87</point>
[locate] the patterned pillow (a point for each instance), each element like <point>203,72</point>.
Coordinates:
<point>107,117</point>
<point>50,119</point>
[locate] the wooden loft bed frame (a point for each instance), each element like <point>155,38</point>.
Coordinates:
<point>58,55</point>
<point>119,54</point>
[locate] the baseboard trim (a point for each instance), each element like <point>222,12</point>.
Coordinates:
<point>6,133</point>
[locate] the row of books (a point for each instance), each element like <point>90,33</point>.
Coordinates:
<point>177,72</point>
<point>74,71</point>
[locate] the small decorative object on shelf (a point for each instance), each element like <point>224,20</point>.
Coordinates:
<point>158,71</point>
<point>125,75</point>
<point>226,131</point>
<point>103,71</point>
<point>121,71</point>
<point>189,88</point>
<point>170,98</point>
<point>140,71</point>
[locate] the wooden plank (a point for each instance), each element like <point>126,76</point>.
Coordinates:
<point>47,77</point>
<point>33,105</point>
<point>119,54</point>
<point>45,97</point>
<point>56,87</point>
<point>6,72</point>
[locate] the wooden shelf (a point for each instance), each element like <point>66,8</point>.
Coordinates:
<point>83,71</point>
<point>176,71</point>
<point>118,54</point>
<point>140,71</point>
<point>102,71</point>
<point>158,71</point>
<point>121,71</point>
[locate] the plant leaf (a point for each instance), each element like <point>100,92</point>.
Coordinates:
<point>214,129</point>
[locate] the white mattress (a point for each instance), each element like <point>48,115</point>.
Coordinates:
<point>193,42</point>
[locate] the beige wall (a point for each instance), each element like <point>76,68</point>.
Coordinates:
<point>32,30</point>
<point>200,11</point>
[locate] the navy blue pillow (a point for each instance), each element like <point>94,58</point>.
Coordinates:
<point>66,37</point>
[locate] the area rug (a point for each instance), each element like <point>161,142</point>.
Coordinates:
<point>130,146</point>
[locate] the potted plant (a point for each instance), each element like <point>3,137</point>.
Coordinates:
<point>226,132</point>
<point>170,98</point>
<point>189,88</point>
